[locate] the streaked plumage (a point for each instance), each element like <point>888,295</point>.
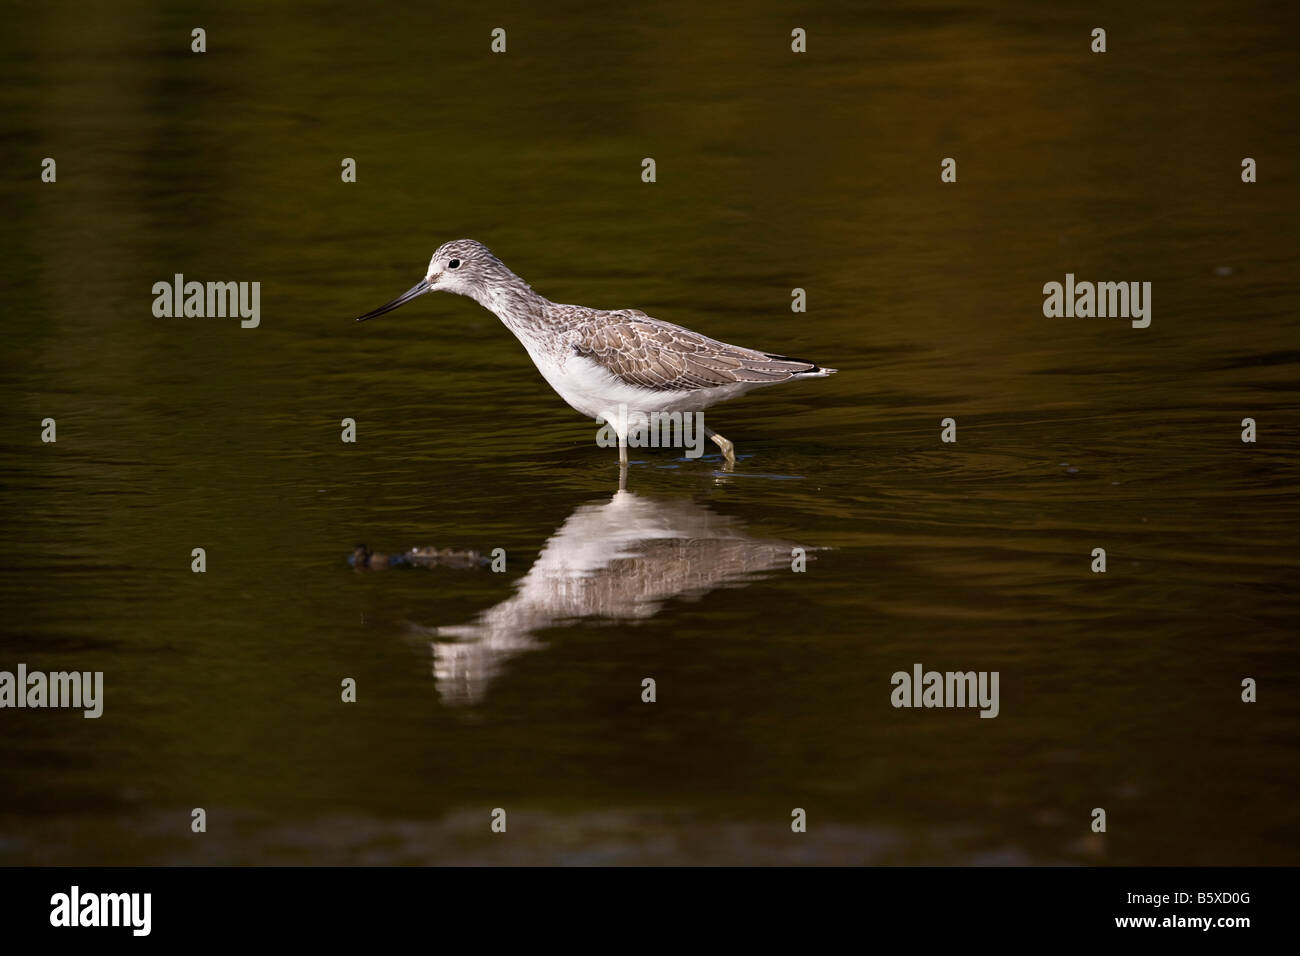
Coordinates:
<point>600,360</point>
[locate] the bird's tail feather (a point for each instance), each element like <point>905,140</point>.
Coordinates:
<point>807,369</point>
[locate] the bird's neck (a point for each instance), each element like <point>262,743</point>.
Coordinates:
<point>512,301</point>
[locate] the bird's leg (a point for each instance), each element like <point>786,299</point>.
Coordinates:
<point>622,452</point>
<point>728,449</point>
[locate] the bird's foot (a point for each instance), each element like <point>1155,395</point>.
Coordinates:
<point>728,449</point>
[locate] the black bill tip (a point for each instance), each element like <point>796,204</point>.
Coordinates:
<point>417,290</point>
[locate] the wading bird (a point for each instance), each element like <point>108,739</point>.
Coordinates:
<point>616,366</point>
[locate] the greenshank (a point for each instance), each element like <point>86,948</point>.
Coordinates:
<point>615,366</point>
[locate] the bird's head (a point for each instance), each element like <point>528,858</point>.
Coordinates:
<point>462,266</point>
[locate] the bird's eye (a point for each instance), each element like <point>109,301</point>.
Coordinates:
<point>453,264</point>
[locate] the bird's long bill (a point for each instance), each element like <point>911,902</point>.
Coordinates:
<point>419,289</point>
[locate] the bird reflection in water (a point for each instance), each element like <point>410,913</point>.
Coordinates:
<point>617,560</point>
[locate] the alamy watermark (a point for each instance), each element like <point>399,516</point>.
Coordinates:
<point>181,299</point>
<point>75,908</point>
<point>653,430</point>
<point>76,689</point>
<point>950,689</point>
<point>1084,300</point>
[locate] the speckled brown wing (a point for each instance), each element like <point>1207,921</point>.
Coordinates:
<point>665,357</point>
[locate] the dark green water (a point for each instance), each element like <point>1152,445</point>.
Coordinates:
<point>775,170</point>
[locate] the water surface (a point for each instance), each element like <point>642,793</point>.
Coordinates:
<point>522,690</point>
